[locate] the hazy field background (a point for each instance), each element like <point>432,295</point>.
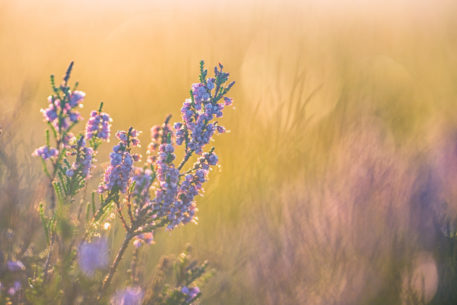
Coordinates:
<point>341,165</point>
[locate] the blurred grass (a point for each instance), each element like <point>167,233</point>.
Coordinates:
<point>326,93</point>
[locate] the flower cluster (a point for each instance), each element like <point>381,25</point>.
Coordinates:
<point>190,293</point>
<point>184,207</point>
<point>15,288</point>
<point>98,126</point>
<point>198,112</point>
<point>142,178</point>
<point>15,266</point>
<point>83,160</point>
<point>45,152</point>
<point>168,178</point>
<point>118,173</point>
<point>159,135</point>
<point>61,111</point>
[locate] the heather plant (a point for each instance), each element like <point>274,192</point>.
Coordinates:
<point>141,195</point>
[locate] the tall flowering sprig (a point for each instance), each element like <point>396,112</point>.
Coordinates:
<point>83,159</point>
<point>175,198</point>
<point>76,173</point>
<point>118,173</point>
<point>98,127</point>
<point>70,159</point>
<point>61,115</point>
<point>198,112</point>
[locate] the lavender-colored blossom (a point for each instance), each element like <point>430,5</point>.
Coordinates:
<point>93,255</point>
<point>159,135</point>
<point>128,296</point>
<point>168,177</point>
<point>61,113</point>
<point>201,93</point>
<point>191,293</point>
<point>76,97</point>
<point>211,158</point>
<point>98,126</point>
<point>15,266</point>
<point>45,152</point>
<point>143,180</point>
<point>198,113</point>
<point>184,207</point>
<point>83,160</point>
<point>118,173</point>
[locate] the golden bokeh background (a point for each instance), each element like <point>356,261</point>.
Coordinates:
<point>339,107</point>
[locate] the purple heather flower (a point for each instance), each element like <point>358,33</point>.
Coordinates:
<point>83,162</point>
<point>15,266</point>
<point>159,135</point>
<point>119,171</point>
<point>50,113</point>
<point>211,158</point>
<point>184,207</point>
<point>61,114</point>
<point>191,293</point>
<point>45,152</point>
<point>143,180</point>
<point>197,114</point>
<point>200,93</point>
<point>76,97</point>
<point>210,83</point>
<point>128,296</point>
<point>228,101</point>
<point>168,177</point>
<point>98,126</point>
<point>93,255</point>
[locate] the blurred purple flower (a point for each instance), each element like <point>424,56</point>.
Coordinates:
<point>128,296</point>
<point>143,180</point>
<point>15,288</point>
<point>93,255</point>
<point>191,293</point>
<point>98,126</point>
<point>15,266</point>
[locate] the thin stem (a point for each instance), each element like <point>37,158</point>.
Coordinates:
<point>48,258</point>
<point>112,270</point>
<point>133,268</point>
<point>186,157</point>
<point>121,216</point>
